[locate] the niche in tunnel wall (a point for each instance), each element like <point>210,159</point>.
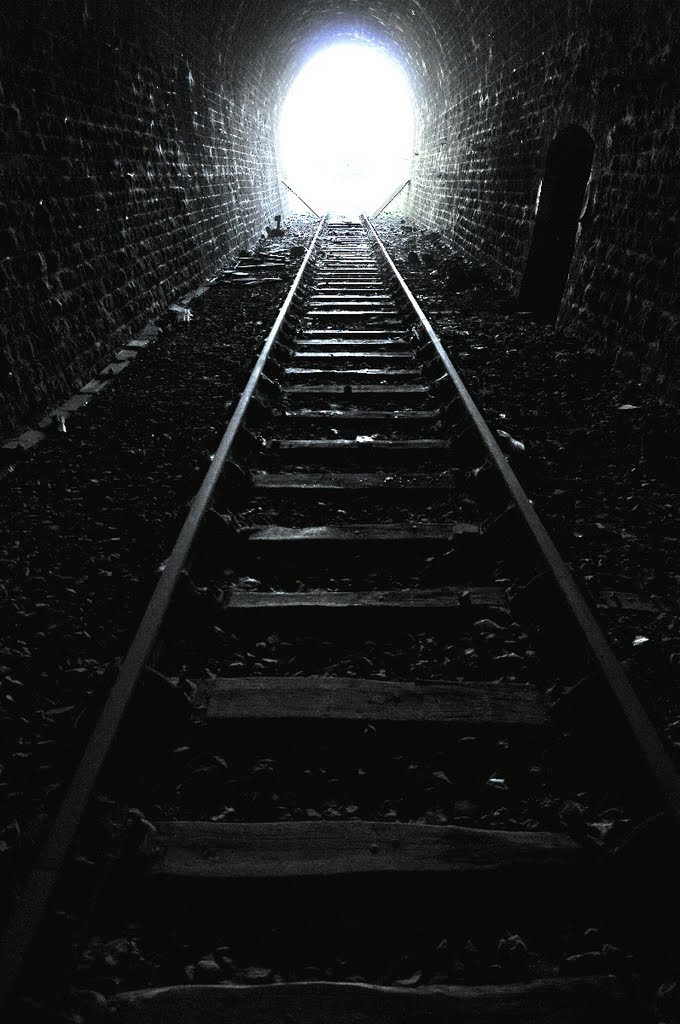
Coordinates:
<point>560,207</point>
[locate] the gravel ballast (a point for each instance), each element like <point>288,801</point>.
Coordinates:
<point>600,453</point>
<point>92,513</point>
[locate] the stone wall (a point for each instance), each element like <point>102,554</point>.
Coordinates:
<point>138,154</point>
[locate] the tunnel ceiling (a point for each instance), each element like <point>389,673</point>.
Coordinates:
<point>143,150</point>
<point>437,41</point>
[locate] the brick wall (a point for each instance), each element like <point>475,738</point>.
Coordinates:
<point>140,144</point>
<point>612,67</point>
<point>138,153</point>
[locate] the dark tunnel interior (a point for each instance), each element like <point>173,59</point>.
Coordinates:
<point>339,634</point>
<point>141,149</point>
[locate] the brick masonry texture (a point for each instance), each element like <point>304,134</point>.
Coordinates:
<point>137,154</point>
<point>140,148</point>
<point>525,72</point>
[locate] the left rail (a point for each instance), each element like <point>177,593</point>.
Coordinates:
<point>39,886</point>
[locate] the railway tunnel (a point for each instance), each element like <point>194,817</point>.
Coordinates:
<point>397,734</point>
<point>142,146</point>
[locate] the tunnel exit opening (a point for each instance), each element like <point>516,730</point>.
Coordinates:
<point>559,209</point>
<point>347,130</point>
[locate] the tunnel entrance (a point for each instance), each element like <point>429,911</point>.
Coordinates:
<point>347,130</point>
<point>560,206</point>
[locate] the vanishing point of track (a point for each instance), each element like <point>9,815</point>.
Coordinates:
<point>353,404</point>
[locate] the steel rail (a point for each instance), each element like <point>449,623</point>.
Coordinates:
<point>648,741</point>
<point>392,197</point>
<point>299,197</point>
<point>39,886</point>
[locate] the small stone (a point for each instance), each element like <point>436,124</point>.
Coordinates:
<point>516,948</point>
<point>223,957</point>
<point>258,975</point>
<point>668,997</point>
<point>207,970</point>
<point>612,954</point>
<point>409,982</point>
<point>572,817</point>
<point>583,963</point>
<point>488,629</point>
<point>495,782</point>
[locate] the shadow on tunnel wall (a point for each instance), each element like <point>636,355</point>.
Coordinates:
<point>560,207</point>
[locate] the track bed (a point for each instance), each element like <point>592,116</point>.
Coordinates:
<point>353,758</point>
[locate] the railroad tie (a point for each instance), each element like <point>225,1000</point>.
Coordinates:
<point>348,604</point>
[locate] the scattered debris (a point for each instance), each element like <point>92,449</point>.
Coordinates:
<point>278,231</point>
<point>511,443</point>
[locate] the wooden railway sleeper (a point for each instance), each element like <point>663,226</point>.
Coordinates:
<point>276,368</point>
<point>508,539</point>
<point>270,388</point>
<point>453,413</point>
<point>486,486</point>
<point>430,365</point>
<point>299,303</point>
<point>441,387</point>
<point>234,478</point>
<point>584,705</point>
<point>218,532</point>
<point>200,609</point>
<point>248,443</point>
<point>539,598</point>
<point>287,333</point>
<point>260,411</point>
<point>467,446</point>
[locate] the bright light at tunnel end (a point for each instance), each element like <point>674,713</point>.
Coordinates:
<point>347,129</point>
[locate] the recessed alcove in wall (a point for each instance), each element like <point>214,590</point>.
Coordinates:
<point>347,129</point>
<point>108,131</point>
<point>560,206</point>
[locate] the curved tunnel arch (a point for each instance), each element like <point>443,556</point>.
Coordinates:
<point>425,37</point>
<point>145,145</point>
<point>452,53</point>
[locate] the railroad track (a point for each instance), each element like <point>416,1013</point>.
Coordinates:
<point>363,591</point>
